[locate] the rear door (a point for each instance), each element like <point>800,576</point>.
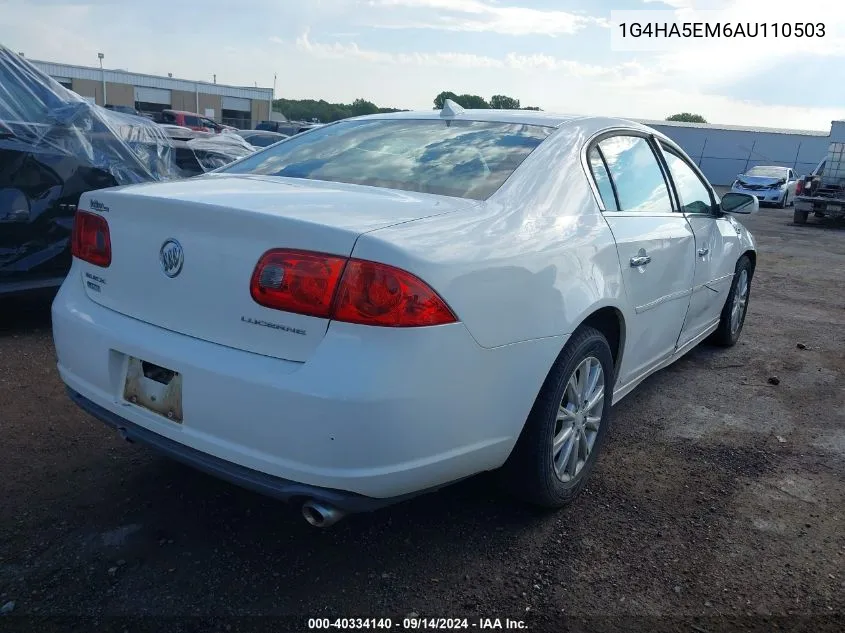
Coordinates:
<point>716,245</point>
<point>655,244</point>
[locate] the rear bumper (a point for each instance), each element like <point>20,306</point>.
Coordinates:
<point>833,208</point>
<point>229,471</point>
<point>377,412</point>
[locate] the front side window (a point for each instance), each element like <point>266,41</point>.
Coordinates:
<point>695,196</point>
<point>640,186</point>
<point>465,159</point>
<point>192,121</point>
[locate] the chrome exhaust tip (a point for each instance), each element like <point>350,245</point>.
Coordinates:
<point>320,514</point>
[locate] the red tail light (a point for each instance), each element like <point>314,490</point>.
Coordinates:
<point>350,290</point>
<point>91,241</point>
<point>297,281</point>
<point>799,187</point>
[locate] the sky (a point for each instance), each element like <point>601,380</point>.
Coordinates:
<point>555,54</point>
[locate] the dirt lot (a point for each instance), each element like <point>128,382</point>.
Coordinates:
<point>718,505</point>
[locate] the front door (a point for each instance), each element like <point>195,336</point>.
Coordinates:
<point>655,244</point>
<point>716,243</point>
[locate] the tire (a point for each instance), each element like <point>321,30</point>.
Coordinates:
<point>727,334</point>
<point>530,473</point>
<point>785,201</point>
<point>799,217</point>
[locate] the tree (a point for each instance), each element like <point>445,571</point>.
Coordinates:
<point>470,102</point>
<point>360,107</point>
<point>502,102</point>
<point>440,99</point>
<point>307,109</point>
<point>686,117</point>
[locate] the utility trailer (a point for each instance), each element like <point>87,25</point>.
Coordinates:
<point>822,193</point>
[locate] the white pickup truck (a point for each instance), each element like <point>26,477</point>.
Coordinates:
<point>822,192</point>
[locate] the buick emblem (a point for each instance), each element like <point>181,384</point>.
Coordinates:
<point>172,257</point>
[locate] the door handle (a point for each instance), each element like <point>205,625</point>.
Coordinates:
<point>702,252</point>
<point>640,260</point>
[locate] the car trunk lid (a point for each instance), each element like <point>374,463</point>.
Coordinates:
<point>223,224</point>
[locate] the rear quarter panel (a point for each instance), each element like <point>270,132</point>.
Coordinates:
<point>531,262</point>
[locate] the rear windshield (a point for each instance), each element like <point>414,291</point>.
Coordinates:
<point>465,159</point>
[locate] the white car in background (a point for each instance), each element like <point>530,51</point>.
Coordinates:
<point>389,304</point>
<point>770,184</point>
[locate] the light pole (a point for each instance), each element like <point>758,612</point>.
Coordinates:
<point>103,74</point>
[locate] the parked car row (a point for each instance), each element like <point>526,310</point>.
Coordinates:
<point>54,146</point>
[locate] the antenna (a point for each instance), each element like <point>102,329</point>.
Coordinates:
<point>450,109</point>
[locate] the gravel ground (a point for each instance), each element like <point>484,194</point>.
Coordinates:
<point>718,504</point>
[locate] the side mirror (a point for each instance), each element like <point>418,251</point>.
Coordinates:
<point>739,203</point>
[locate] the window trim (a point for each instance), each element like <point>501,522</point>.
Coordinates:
<point>650,138</point>
<point>609,178</point>
<point>678,153</point>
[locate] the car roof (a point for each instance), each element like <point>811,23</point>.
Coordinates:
<point>181,112</point>
<point>590,124</point>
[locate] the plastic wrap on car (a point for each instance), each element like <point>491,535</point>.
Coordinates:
<point>55,145</point>
<point>38,111</point>
<point>218,150</point>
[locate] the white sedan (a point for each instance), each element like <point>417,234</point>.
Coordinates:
<point>769,184</point>
<point>384,305</point>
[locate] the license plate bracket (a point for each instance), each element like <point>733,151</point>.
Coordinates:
<point>155,388</point>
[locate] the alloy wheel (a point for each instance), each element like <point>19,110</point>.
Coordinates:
<point>578,418</point>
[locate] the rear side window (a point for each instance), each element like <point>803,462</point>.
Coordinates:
<point>602,179</point>
<point>639,182</point>
<point>465,159</point>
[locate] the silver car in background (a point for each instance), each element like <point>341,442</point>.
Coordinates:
<point>770,184</point>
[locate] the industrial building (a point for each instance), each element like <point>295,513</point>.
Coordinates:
<point>239,106</point>
<point>723,151</point>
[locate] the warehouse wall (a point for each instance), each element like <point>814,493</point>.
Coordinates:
<point>182,100</point>
<point>89,88</point>
<point>211,101</point>
<point>120,94</point>
<point>260,111</point>
<point>724,153</point>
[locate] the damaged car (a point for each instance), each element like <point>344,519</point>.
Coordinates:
<point>770,184</point>
<point>54,146</point>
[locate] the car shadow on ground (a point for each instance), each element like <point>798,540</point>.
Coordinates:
<point>27,312</point>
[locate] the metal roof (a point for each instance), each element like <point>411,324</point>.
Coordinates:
<point>150,81</point>
<point>738,128</point>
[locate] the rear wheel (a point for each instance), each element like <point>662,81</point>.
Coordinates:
<point>567,425</point>
<point>736,306</point>
<point>799,217</point>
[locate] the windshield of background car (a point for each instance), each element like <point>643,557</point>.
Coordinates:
<point>767,172</point>
<point>465,159</point>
